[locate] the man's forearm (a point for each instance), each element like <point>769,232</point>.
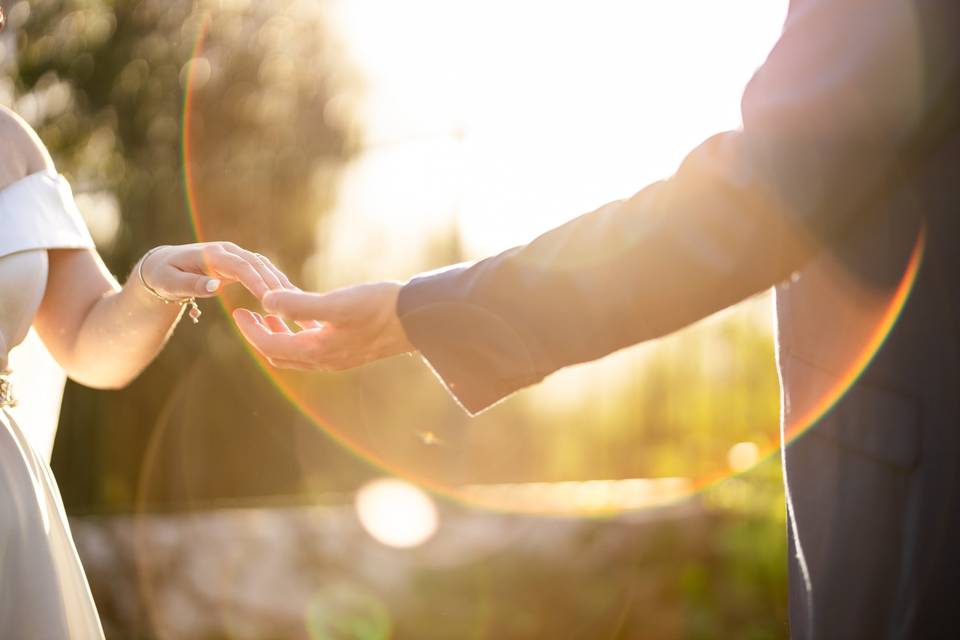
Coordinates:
<point>630,271</point>
<point>826,122</point>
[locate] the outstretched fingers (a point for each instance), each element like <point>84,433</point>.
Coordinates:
<point>229,266</point>
<point>276,324</point>
<point>271,337</point>
<point>260,264</point>
<point>280,275</point>
<point>285,284</point>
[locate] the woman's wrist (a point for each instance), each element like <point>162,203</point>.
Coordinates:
<point>155,290</point>
<point>178,275</point>
<point>148,293</point>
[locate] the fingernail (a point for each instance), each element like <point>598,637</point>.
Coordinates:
<point>213,284</point>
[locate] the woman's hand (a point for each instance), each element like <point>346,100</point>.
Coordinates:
<point>103,335</point>
<point>201,270</point>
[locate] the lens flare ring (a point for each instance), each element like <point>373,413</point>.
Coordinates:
<point>196,76</point>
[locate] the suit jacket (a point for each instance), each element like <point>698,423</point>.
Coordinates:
<point>842,184</point>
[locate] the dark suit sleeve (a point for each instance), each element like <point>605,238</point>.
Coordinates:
<point>824,121</point>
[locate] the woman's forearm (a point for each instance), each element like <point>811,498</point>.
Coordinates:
<point>122,333</point>
<point>104,335</point>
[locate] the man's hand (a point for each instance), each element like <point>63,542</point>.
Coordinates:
<point>339,330</point>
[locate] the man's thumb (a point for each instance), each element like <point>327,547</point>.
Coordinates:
<point>297,305</point>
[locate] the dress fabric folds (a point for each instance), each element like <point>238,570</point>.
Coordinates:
<point>43,589</point>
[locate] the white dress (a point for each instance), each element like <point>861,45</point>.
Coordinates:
<point>43,590</point>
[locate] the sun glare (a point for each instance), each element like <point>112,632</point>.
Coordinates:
<point>503,119</point>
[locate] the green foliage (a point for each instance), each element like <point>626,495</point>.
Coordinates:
<point>105,83</point>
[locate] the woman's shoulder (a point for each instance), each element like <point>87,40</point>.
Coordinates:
<point>37,210</point>
<point>24,152</point>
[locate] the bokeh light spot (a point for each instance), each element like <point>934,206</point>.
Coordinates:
<point>396,513</point>
<point>743,456</point>
<point>196,73</point>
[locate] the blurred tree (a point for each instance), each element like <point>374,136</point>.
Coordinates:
<point>106,84</point>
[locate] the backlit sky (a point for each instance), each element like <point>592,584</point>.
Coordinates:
<point>508,118</point>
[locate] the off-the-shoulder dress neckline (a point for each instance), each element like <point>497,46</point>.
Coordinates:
<point>31,178</point>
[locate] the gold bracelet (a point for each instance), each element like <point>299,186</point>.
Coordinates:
<point>191,302</point>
